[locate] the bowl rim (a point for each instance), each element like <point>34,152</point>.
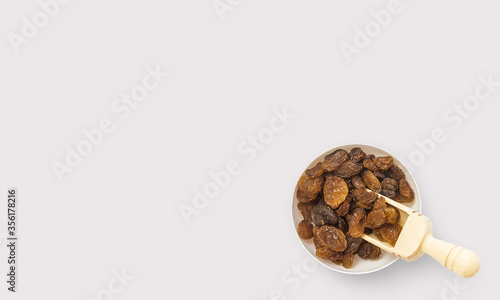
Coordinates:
<point>400,163</point>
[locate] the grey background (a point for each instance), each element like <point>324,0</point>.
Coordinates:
<point>120,207</point>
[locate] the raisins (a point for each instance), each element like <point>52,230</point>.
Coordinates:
<point>348,169</point>
<point>356,222</point>
<point>395,173</point>
<point>326,253</point>
<point>364,196</point>
<point>370,165</point>
<point>405,189</point>
<point>357,182</point>
<point>371,181</point>
<point>356,154</point>
<point>376,218</point>
<point>315,171</point>
<point>388,233</point>
<point>305,230</point>
<point>384,163</point>
<point>310,186</point>
<point>335,191</point>
<point>323,214</point>
<point>334,160</point>
<point>368,251</point>
<point>332,238</point>
<point>337,205</point>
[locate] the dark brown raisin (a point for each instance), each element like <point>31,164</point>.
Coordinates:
<point>315,171</point>
<point>322,214</point>
<point>384,163</point>
<point>344,207</point>
<point>352,244</point>
<point>356,222</point>
<point>388,193</point>
<point>335,191</point>
<point>368,251</point>
<point>379,175</point>
<point>356,154</point>
<point>311,186</point>
<point>401,199</point>
<point>358,182</point>
<point>343,225</point>
<point>389,184</point>
<point>332,238</point>
<point>333,160</point>
<point>306,209</point>
<point>305,230</point>
<point>348,169</point>
<point>371,181</point>
<point>395,173</point>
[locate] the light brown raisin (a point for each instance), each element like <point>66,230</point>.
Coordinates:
<point>370,165</point>
<point>332,238</point>
<point>395,173</point>
<point>356,222</point>
<point>384,162</point>
<point>376,218</point>
<point>315,171</point>
<point>356,154</point>
<point>371,181</point>
<point>358,182</point>
<point>335,191</point>
<point>364,196</point>
<point>311,186</point>
<point>405,189</point>
<point>348,169</point>
<point>305,230</point>
<point>333,160</point>
<point>348,260</point>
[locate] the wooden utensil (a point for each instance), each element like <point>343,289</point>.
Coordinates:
<point>416,239</point>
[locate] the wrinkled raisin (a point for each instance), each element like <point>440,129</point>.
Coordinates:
<point>334,160</point>
<point>343,226</point>
<point>315,171</point>
<point>384,163</point>
<point>332,238</point>
<point>388,193</point>
<point>405,189</point>
<point>376,218</point>
<point>352,244</point>
<point>371,181</point>
<point>389,184</point>
<point>326,253</point>
<point>335,191</point>
<point>356,222</point>
<point>388,233</point>
<point>365,196</point>
<point>305,230</point>
<point>306,209</point>
<point>391,214</point>
<point>370,165</point>
<point>358,182</point>
<point>348,260</point>
<point>356,154</point>
<point>344,207</point>
<point>322,214</point>
<point>395,173</point>
<point>368,251</point>
<point>379,203</point>
<point>311,186</point>
<point>348,169</point>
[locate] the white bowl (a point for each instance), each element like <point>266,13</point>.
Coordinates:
<point>360,266</point>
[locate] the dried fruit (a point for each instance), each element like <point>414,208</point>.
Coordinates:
<point>356,222</point>
<point>364,196</point>
<point>356,154</point>
<point>323,214</point>
<point>389,184</point>
<point>306,209</point>
<point>352,244</point>
<point>395,173</point>
<point>370,165</point>
<point>371,181</point>
<point>383,162</point>
<point>343,226</point>
<point>376,218</point>
<point>392,214</point>
<point>315,171</point>
<point>335,191</point>
<point>348,260</point>
<point>305,230</point>
<point>388,193</point>
<point>326,253</point>
<point>388,233</point>
<point>333,160</point>
<point>379,203</point>
<point>405,189</point>
<point>368,251</point>
<point>332,238</point>
<point>358,182</point>
<point>348,169</point>
<point>344,207</point>
<point>311,186</point>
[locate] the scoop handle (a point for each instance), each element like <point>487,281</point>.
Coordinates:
<point>460,261</point>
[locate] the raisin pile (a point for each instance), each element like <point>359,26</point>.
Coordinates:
<point>337,207</point>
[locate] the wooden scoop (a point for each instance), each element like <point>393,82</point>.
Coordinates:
<point>416,239</point>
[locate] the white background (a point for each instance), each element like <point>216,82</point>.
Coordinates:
<point>120,208</point>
